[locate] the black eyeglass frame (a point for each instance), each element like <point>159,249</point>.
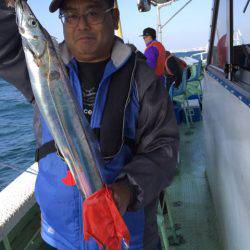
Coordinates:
<point>62,16</point>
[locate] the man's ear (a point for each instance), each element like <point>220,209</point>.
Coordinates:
<point>116,16</point>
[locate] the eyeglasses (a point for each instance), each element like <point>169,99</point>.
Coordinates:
<point>92,17</point>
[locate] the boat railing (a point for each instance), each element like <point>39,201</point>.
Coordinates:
<point>16,200</point>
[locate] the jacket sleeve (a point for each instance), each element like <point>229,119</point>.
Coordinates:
<point>152,54</point>
<point>154,165</point>
<point>12,61</point>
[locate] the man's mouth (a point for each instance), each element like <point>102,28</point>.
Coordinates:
<point>85,38</point>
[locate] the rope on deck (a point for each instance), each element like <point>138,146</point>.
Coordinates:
<point>16,200</point>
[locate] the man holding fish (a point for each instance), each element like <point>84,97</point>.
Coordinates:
<point>126,107</point>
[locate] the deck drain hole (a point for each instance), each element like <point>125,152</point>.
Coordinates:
<point>177,203</point>
<point>176,241</point>
<point>189,133</point>
<point>177,226</point>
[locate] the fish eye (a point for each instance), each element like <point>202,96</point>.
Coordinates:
<point>32,22</point>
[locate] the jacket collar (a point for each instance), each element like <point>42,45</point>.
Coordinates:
<point>119,55</point>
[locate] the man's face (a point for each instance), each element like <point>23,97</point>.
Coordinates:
<point>147,39</point>
<point>86,41</point>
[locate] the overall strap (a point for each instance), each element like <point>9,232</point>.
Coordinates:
<point>45,150</point>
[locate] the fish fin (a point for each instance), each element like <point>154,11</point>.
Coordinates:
<point>56,44</point>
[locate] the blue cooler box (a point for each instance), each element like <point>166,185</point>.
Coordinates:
<point>194,110</point>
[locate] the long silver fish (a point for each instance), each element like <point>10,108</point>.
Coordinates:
<point>57,103</point>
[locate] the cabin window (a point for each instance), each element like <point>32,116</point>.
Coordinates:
<point>241,41</point>
<point>219,55</point>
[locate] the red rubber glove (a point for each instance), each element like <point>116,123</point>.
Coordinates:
<point>103,221</point>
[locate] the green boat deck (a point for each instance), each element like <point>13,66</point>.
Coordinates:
<point>189,197</point>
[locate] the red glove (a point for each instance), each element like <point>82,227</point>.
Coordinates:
<point>103,221</point>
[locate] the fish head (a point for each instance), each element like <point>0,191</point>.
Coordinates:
<point>32,32</point>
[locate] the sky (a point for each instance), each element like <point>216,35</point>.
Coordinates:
<point>189,29</point>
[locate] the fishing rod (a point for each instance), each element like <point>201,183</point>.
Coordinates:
<point>17,169</point>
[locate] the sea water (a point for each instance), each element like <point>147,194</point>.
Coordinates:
<point>17,143</point>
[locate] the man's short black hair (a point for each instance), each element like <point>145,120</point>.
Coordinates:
<point>149,32</point>
<point>56,4</point>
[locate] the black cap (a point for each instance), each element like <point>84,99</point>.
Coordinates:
<point>56,4</point>
<point>149,32</point>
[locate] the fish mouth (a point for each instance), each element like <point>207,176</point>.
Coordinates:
<point>22,11</point>
<point>19,7</point>
<point>30,40</point>
<point>19,4</point>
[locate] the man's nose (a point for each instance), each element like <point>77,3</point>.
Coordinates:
<point>82,23</point>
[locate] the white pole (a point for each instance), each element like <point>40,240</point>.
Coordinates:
<point>159,26</point>
<point>159,29</point>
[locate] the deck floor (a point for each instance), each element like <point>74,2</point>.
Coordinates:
<point>189,195</point>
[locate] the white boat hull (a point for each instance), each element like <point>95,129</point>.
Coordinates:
<point>227,136</point>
